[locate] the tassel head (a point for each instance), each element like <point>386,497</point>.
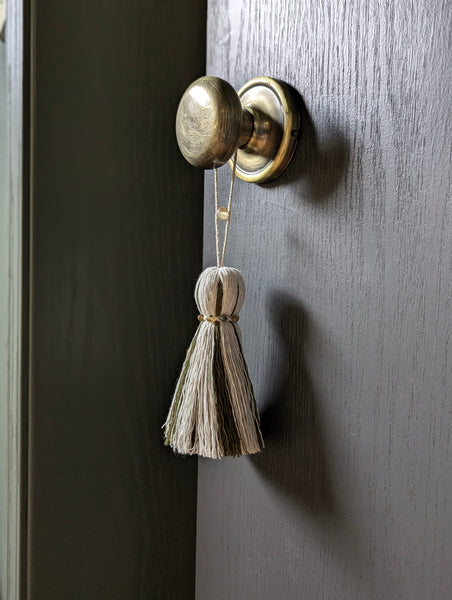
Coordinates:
<point>220,291</point>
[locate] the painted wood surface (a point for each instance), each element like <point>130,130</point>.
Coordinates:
<point>4,320</point>
<point>116,250</point>
<point>346,325</point>
<point>13,298</point>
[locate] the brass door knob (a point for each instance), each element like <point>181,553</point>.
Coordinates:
<point>261,120</point>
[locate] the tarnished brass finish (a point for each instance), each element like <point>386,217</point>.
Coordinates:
<point>262,121</point>
<point>210,124</point>
<point>275,134</point>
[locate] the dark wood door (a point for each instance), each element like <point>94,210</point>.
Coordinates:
<point>346,330</point>
<point>116,243</point>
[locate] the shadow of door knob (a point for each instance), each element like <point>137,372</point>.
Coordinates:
<point>262,120</point>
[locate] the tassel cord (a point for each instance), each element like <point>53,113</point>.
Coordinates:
<point>220,258</point>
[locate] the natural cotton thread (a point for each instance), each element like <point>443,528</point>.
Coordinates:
<point>213,412</point>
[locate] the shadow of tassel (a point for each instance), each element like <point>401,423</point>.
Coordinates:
<point>295,459</point>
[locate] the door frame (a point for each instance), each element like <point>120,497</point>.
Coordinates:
<point>15,304</point>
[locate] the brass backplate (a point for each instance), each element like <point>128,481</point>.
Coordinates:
<point>276,126</point>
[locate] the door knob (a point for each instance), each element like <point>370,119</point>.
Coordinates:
<point>262,121</point>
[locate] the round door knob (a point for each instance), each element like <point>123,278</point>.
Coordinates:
<point>261,121</point>
<point>210,123</point>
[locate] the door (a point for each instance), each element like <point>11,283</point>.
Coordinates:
<point>346,324</point>
<point>116,242</point>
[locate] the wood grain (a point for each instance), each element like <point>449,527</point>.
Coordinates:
<point>13,298</point>
<point>116,250</point>
<point>346,324</point>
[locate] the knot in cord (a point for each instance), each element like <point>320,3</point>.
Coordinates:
<point>220,319</point>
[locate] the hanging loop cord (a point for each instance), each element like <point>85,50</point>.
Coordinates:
<point>220,258</point>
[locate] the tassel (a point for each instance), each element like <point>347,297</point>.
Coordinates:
<point>213,412</point>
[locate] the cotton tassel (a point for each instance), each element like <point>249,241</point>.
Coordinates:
<point>213,412</point>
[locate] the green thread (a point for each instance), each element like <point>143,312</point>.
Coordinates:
<point>178,393</point>
<point>219,301</point>
<point>236,300</point>
<point>229,435</point>
<point>253,399</point>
